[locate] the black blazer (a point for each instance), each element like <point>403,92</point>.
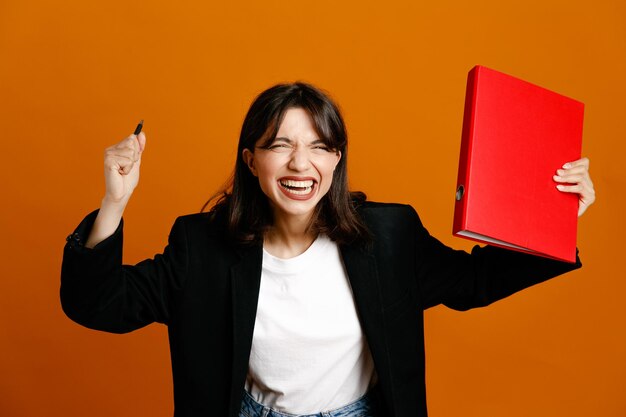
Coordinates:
<point>206,291</point>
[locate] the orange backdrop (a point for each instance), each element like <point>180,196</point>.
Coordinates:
<point>76,76</point>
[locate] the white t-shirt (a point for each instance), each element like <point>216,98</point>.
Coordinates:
<point>309,353</point>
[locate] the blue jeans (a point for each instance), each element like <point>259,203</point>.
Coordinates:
<point>363,407</point>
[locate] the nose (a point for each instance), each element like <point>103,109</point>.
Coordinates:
<point>299,159</point>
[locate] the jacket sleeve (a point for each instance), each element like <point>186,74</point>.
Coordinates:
<point>99,292</point>
<point>462,280</point>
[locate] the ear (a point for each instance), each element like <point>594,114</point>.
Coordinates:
<point>338,153</point>
<point>248,158</point>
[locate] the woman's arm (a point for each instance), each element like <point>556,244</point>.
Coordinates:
<point>97,290</point>
<point>463,281</point>
<point>121,176</point>
<point>100,292</point>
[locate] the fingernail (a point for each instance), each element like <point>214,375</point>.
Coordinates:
<point>560,187</point>
<point>567,165</point>
<point>556,177</point>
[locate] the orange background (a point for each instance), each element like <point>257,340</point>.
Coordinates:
<point>76,76</point>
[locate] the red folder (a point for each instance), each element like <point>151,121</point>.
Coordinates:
<point>515,136</point>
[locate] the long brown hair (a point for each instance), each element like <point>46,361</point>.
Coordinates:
<point>247,210</point>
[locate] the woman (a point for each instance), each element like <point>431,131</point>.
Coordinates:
<point>292,296</point>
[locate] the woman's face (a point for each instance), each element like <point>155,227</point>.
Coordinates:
<point>296,170</point>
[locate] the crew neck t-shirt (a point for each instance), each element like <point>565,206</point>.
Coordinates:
<point>308,352</point>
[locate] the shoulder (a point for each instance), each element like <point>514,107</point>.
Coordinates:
<point>389,218</point>
<point>206,223</point>
<point>194,219</point>
<point>373,211</point>
<point>204,237</point>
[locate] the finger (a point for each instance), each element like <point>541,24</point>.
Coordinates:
<point>126,169</point>
<point>117,157</point>
<point>141,140</point>
<point>119,163</point>
<point>121,152</point>
<point>577,188</point>
<point>575,170</point>
<point>570,179</point>
<point>579,162</point>
<point>582,208</point>
<point>130,143</point>
<point>584,189</point>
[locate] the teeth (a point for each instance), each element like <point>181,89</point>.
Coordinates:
<point>297,187</point>
<point>299,192</point>
<point>297,184</point>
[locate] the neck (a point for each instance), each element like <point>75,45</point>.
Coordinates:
<point>288,237</point>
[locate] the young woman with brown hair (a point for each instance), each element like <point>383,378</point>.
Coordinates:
<point>291,295</point>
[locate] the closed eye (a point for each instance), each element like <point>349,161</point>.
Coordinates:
<point>279,145</point>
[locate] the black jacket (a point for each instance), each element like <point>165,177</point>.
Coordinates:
<point>206,291</point>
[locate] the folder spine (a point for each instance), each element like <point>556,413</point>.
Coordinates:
<point>463,176</point>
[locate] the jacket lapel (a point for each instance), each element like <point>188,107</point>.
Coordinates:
<point>245,282</point>
<point>364,279</point>
<point>363,276</point>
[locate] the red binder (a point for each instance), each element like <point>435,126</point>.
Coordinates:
<point>515,136</point>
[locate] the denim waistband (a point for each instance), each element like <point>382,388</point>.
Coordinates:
<point>363,407</point>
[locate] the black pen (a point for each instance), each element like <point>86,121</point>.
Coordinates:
<point>138,128</point>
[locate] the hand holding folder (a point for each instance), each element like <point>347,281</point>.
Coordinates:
<point>516,136</point>
<point>577,173</point>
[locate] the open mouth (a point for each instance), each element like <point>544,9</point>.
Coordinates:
<point>297,187</point>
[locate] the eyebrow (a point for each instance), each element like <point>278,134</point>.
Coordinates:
<point>289,141</point>
<point>283,139</point>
